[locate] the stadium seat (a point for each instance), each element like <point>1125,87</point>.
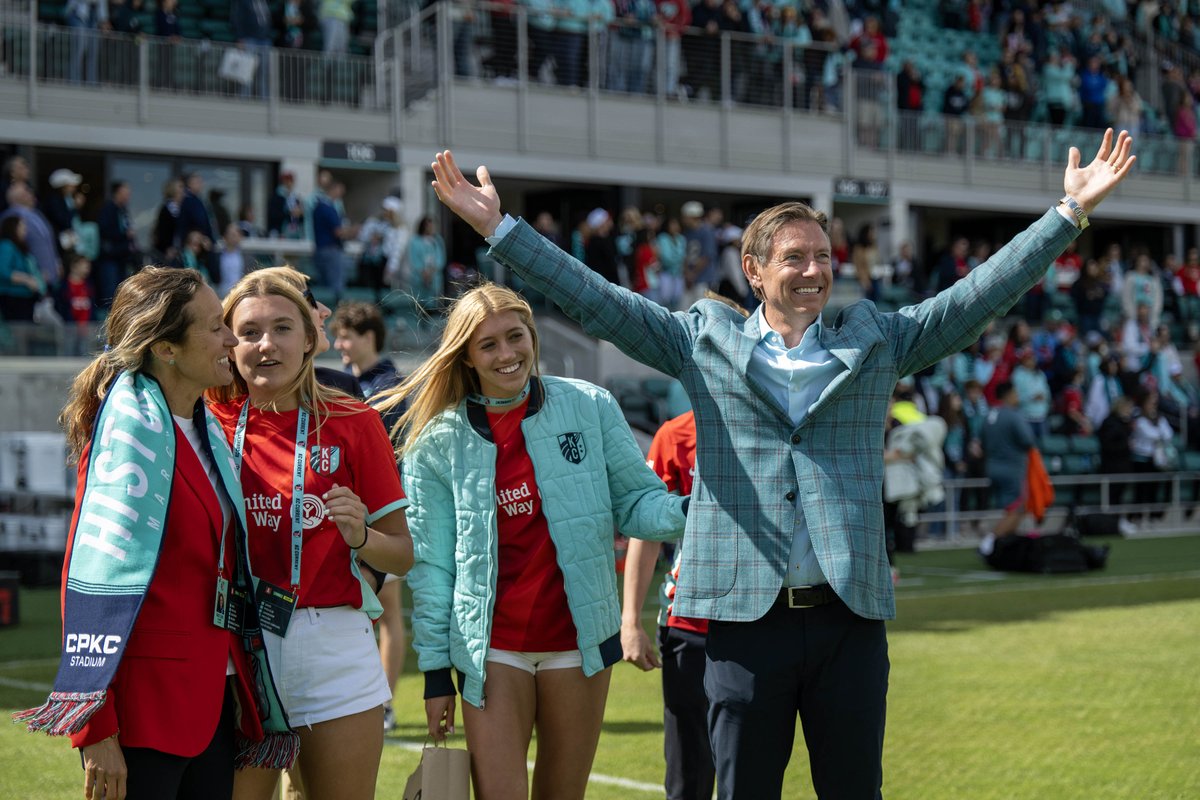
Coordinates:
<point>1055,445</point>
<point>1085,445</point>
<point>1076,464</point>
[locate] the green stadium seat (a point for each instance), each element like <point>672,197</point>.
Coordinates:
<point>1055,445</point>
<point>55,13</point>
<point>1087,495</point>
<point>1085,445</point>
<point>213,27</point>
<point>1076,464</point>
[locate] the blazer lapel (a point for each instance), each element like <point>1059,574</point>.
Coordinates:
<point>740,347</point>
<point>851,349</point>
<point>190,472</point>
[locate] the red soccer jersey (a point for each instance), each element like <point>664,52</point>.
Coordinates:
<point>79,297</point>
<point>673,458</point>
<point>531,614</point>
<point>352,451</point>
<point>1189,279</point>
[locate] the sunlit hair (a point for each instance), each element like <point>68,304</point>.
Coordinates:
<point>288,273</point>
<point>444,379</point>
<point>317,399</point>
<point>149,307</point>
<point>759,236</point>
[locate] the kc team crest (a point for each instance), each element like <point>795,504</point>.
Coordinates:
<point>572,447</point>
<point>324,460</point>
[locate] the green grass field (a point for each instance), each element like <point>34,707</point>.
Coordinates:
<point>1002,686</point>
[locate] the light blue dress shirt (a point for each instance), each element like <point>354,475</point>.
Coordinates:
<point>795,379</point>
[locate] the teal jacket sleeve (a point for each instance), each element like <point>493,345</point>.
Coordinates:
<point>642,506</point>
<point>431,522</point>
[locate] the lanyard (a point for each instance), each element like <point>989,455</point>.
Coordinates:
<point>239,441</point>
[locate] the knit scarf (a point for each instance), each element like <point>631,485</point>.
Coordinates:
<point>112,554</point>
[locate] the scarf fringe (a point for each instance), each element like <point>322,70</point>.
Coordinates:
<point>63,713</point>
<point>275,751</point>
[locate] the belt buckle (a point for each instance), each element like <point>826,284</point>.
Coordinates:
<point>791,601</point>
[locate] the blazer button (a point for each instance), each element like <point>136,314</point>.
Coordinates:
<point>796,439</point>
<point>791,497</point>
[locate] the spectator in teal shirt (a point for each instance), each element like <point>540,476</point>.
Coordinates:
<point>427,259</point>
<point>573,33</point>
<point>672,249</point>
<point>1058,85</point>
<point>1033,392</point>
<point>21,283</point>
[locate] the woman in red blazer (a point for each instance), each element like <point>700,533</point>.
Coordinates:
<point>166,727</point>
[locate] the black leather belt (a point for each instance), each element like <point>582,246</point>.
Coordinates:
<point>805,596</point>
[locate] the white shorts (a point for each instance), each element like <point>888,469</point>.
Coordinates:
<point>327,666</point>
<point>533,663</point>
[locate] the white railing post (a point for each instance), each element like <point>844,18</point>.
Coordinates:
<point>444,54</point>
<point>522,79</point>
<point>143,80</point>
<point>273,65</point>
<point>660,94</point>
<point>34,33</point>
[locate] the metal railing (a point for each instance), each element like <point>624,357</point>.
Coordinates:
<point>880,125</point>
<point>53,55</point>
<point>519,52</point>
<point>514,45</point>
<point>967,506</point>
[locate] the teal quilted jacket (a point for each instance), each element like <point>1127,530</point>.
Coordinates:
<point>598,481</point>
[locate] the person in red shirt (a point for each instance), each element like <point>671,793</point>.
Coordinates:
<point>518,480</point>
<point>1067,268</point>
<point>77,304</point>
<point>873,33</point>
<point>322,491</point>
<point>690,772</point>
<point>1187,286</point>
<point>182,693</point>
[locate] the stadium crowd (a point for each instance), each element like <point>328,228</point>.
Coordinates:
<point>1096,329</point>
<point>1000,63</point>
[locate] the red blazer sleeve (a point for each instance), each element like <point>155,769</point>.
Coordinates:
<point>102,725</point>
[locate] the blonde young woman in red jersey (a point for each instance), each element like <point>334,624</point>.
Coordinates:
<point>322,491</point>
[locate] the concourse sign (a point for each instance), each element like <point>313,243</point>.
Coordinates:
<point>855,190</point>
<point>360,155</point>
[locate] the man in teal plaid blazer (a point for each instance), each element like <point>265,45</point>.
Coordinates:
<point>784,549</point>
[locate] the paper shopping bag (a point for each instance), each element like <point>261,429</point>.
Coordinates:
<point>238,66</point>
<point>443,774</point>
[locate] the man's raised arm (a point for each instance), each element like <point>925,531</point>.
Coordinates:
<point>641,328</point>
<point>926,333</point>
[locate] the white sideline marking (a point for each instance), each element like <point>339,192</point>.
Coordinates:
<point>13,683</point>
<point>33,662</point>
<point>1060,583</point>
<point>962,576</point>
<point>624,783</point>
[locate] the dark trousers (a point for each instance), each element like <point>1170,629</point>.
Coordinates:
<point>155,775</point>
<point>826,664</point>
<point>690,771</point>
